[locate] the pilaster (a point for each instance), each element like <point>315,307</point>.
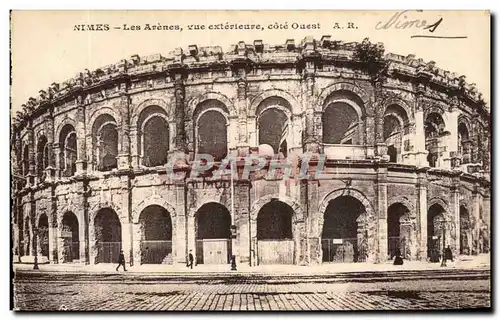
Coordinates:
<point>422,213</point>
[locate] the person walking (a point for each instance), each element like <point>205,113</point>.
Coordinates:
<point>121,261</point>
<point>190,259</point>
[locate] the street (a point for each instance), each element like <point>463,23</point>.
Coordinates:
<point>421,290</point>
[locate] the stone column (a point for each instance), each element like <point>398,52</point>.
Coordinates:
<point>53,229</point>
<point>455,213</point>
<point>382,213</point>
<point>50,147</point>
<point>180,116</point>
<point>179,234</point>
<point>82,236</point>
<point>241,107</point>
<point>135,158</point>
<point>191,232</point>
<point>124,135</point>
<point>419,151</point>
<point>137,234</point>
<point>242,206</point>
<point>476,218</point>
<point>81,162</point>
<point>311,141</point>
<point>450,154</point>
<point>422,213</point>
<point>368,136</point>
<point>31,157</point>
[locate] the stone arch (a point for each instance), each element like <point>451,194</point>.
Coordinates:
<point>63,208</point>
<point>39,213</point>
<point>462,119</point>
<point>368,219</point>
<point>438,110</point>
<point>341,86</point>
<point>294,204</point>
<point>98,206</point>
<point>137,110</point>
<point>296,107</point>
<point>343,192</point>
<point>405,202</point>
<point>439,201</point>
<point>400,103</point>
<point>196,101</point>
<point>103,111</point>
<point>39,132</point>
<point>61,125</point>
<point>149,201</point>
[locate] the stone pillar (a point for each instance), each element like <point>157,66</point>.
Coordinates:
<point>191,232</point>
<point>241,107</point>
<point>420,153</point>
<point>476,218</point>
<point>311,138</point>
<point>137,234</point>
<point>382,213</point>
<point>242,206</point>
<point>31,157</point>
<point>33,226</point>
<point>179,234</point>
<point>124,135</point>
<point>135,158</point>
<point>455,214</point>
<point>180,116</point>
<point>450,155</point>
<point>422,214</point>
<point>300,242</point>
<point>81,162</point>
<point>53,230</point>
<point>50,170</point>
<point>83,237</point>
<point>368,136</point>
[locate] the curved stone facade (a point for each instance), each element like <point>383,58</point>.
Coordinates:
<point>393,136</point>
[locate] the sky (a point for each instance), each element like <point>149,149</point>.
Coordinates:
<point>45,48</point>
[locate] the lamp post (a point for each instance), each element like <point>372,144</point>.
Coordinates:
<point>443,224</point>
<point>35,266</point>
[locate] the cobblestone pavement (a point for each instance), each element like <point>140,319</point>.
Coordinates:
<point>249,294</point>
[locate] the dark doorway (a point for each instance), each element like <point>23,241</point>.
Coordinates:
<point>464,231</point>
<point>213,234</point>
<point>343,238</point>
<point>275,234</point>
<point>108,235</point>
<point>434,230</point>
<point>71,238</point>
<point>156,240</point>
<point>43,235</point>
<point>397,235</point>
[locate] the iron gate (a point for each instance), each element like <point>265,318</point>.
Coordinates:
<point>343,250</point>
<point>108,252</point>
<point>156,252</point>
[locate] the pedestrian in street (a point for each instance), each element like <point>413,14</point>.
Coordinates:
<point>448,255</point>
<point>121,261</point>
<point>190,259</point>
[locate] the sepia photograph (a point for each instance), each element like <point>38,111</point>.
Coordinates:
<point>250,160</point>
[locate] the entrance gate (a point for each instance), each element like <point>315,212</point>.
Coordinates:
<point>108,252</point>
<point>213,251</point>
<point>275,251</point>
<point>343,250</point>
